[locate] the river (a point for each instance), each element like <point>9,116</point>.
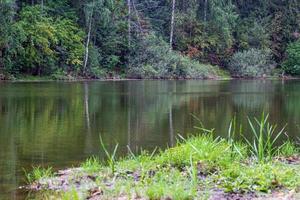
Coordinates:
<point>58,124</point>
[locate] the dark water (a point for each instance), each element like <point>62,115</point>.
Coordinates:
<point>58,124</point>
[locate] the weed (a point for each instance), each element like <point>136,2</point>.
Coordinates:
<point>111,157</point>
<point>38,173</point>
<point>288,148</point>
<point>92,165</point>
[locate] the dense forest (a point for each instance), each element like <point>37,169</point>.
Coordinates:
<point>65,39</point>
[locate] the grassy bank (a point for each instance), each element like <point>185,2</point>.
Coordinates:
<point>200,167</point>
<point>203,71</point>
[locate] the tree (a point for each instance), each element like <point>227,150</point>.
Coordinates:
<point>292,64</point>
<point>172,23</point>
<point>89,21</point>
<point>46,43</point>
<point>7,12</point>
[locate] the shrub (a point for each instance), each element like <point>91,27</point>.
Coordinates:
<point>153,59</point>
<point>292,64</point>
<point>251,63</point>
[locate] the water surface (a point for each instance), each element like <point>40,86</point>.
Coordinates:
<point>58,124</point>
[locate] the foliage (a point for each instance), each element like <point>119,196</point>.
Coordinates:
<point>251,63</point>
<point>7,12</point>
<point>210,39</point>
<point>40,37</point>
<point>292,64</point>
<point>252,34</point>
<point>154,59</point>
<point>45,44</point>
<point>109,31</point>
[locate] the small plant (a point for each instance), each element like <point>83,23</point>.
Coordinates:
<point>111,158</point>
<point>263,146</point>
<point>38,173</point>
<point>92,164</point>
<point>288,149</point>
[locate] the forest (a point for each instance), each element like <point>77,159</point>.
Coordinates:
<point>159,39</point>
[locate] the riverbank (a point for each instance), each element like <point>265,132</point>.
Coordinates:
<point>222,75</point>
<point>201,167</point>
<point>81,79</point>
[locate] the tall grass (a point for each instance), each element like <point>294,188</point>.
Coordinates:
<point>263,145</point>
<point>111,157</point>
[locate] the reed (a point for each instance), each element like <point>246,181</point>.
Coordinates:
<point>263,144</point>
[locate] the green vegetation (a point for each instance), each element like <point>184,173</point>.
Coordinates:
<point>197,166</point>
<point>69,39</point>
<point>292,64</point>
<point>111,158</point>
<point>38,173</point>
<point>263,146</point>
<point>251,63</point>
<point>91,165</point>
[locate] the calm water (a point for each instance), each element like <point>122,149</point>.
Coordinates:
<point>58,124</point>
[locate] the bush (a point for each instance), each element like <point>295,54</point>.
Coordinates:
<point>153,59</point>
<point>251,63</point>
<point>292,64</point>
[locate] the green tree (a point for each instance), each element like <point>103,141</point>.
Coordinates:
<point>47,43</point>
<point>7,12</point>
<point>292,64</point>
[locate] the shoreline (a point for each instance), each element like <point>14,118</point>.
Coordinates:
<point>199,167</point>
<point>21,80</point>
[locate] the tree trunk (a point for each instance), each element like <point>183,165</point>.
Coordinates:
<point>129,31</point>
<point>86,56</point>
<point>205,10</point>
<point>129,21</point>
<point>172,23</point>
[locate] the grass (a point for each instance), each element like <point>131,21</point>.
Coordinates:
<point>92,165</point>
<point>199,164</point>
<point>38,173</point>
<point>265,137</point>
<point>111,157</point>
